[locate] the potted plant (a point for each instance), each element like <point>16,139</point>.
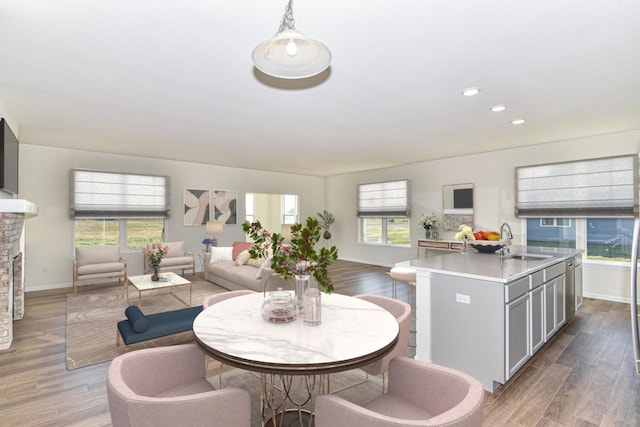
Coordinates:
<point>155,254</point>
<point>429,223</point>
<point>298,258</point>
<point>326,220</point>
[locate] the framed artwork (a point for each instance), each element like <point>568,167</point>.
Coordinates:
<point>197,206</point>
<point>224,206</point>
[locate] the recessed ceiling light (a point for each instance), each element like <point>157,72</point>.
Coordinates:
<point>499,107</point>
<point>471,91</point>
<point>517,122</point>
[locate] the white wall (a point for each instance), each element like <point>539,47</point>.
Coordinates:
<point>44,179</point>
<point>494,196</point>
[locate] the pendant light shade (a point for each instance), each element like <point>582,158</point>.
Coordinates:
<point>290,54</point>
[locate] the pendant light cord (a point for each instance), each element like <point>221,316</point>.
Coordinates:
<point>288,22</point>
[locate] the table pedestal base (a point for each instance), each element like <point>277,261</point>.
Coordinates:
<point>298,391</point>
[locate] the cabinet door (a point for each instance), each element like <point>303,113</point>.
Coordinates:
<point>578,284</point>
<point>517,334</point>
<point>549,308</point>
<point>537,319</point>
<point>561,282</point>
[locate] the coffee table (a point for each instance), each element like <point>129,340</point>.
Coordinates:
<point>168,280</point>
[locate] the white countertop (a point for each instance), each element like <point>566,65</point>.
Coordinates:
<point>351,329</point>
<point>492,267</point>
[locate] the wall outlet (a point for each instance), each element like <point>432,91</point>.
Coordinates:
<point>465,299</point>
<point>45,269</point>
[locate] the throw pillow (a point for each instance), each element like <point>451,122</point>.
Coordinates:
<point>221,254</point>
<point>239,247</point>
<point>265,264</point>
<point>255,262</point>
<point>138,322</point>
<point>243,257</point>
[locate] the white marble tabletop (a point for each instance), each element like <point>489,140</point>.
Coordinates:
<point>353,333</point>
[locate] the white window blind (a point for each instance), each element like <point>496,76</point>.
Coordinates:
<point>586,188</point>
<point>96,194</point>
<point>384,199</point>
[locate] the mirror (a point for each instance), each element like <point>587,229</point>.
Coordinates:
<point>457,206</point>
<point>272,210</point>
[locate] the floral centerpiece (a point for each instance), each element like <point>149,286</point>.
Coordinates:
<point>207,242</point>
<point>155,255</point>
<point>429,223</point>
<point>465,234</point>
<point>298,258</point>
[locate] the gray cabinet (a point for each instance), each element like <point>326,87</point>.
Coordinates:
<point>517,320</point>
<point>537,318</point>
<point>578,285</point>
<point>554,295</point>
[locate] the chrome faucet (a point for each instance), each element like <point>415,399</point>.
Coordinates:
<point>505,246</point>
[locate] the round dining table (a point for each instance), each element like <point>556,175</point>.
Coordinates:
<point>353,333</point>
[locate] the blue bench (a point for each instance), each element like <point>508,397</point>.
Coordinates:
<point>138,327</point>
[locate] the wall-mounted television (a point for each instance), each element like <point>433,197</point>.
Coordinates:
<point>8,159</point>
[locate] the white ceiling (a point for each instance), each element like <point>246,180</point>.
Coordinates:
<point>173,78</point>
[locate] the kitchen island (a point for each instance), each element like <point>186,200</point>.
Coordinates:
<point>487,314</point>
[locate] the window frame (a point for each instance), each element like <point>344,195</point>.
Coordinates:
<point>122,231</point>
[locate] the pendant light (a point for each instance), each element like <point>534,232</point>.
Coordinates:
<point>290,54</point>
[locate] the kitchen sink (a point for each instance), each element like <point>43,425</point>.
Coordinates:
<point>528,257</point>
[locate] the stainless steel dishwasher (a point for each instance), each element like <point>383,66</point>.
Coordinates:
<point>573,290</point>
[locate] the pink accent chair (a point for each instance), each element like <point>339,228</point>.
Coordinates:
<point>420,394</point>
<point>216,298</point>
<point>402,312</point>
<point>166,386</point>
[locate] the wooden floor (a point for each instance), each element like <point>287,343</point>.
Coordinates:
<point>585,377</point>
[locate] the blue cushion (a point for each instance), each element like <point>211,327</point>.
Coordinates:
<point>138,321</point>
<point>160,325</point>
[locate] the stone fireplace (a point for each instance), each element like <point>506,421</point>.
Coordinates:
<point>12,217</point>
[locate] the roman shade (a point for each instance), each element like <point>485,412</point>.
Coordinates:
<point>602,187</point>
<point>384,199</point>
<point>97,194</point>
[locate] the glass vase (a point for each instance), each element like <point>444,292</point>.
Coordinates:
<point>312,313</point>
<point>302,280</point>
<point>155,276</point>
<point>465,246</point>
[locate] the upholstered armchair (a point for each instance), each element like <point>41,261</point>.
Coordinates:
<point>177,258</point>
<point>166,386</point>
<point>420,394</point>
<point>402,312</point>
<point>98,262</point>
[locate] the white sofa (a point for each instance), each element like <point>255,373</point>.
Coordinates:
<point>228,267</point>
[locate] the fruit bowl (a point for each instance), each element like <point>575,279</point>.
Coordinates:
<point>486,246</point>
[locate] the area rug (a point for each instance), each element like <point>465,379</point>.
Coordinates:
<point>93,313</point>
<point>360,394</point>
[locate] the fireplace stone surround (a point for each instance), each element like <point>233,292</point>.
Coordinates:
<point>13,213</point>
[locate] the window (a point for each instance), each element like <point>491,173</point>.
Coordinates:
<point>289,209</point>
<point>383,211</point>
<point>250,210</point>
<point>609,239</point>
<point>118,209</point>
<point>555,222</point>
<point>552,232</point>
<point>137,232</point>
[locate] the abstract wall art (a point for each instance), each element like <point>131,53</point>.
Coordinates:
<point>224,205</point>
<point>197,206</point>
